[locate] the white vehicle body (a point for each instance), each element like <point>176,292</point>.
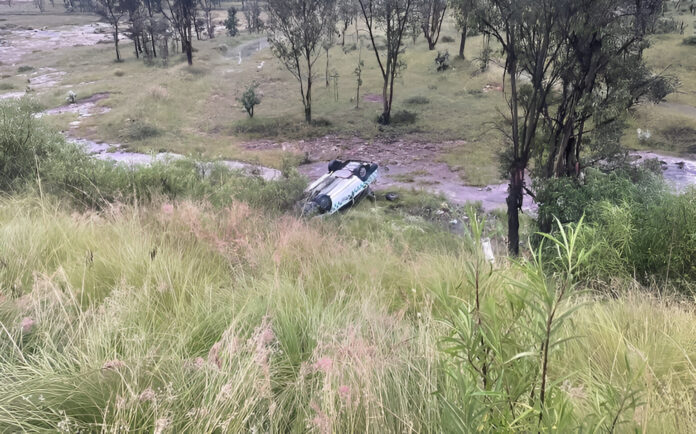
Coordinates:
<point>344,184</point>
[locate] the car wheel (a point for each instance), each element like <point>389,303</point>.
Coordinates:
<point>361,172</point>
<point>335,165</point>
<point>324,202</point>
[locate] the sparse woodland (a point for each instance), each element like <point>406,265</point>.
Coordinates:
<point>184,295</point>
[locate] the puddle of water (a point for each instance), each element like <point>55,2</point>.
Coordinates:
<point>679,173</point>
<point>116,153</point>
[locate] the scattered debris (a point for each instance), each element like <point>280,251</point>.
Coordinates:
<point>391,196</point>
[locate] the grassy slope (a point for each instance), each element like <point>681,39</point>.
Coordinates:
<point>322,326</point>
<point>673,129</point>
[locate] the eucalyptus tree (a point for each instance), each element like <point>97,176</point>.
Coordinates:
<point>605,75</point>
<point>181,14</point>
<point>297,30</point>
<point>432,14</point>
<point>568,64</point>
<point>464,14</point>
<point>390,17</point>
<point>112,11</point>
<point>526,31</point>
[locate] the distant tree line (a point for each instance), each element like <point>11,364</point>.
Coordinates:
<point>157,26</point>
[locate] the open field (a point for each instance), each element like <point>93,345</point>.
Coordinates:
<point>178,295</point>
<point>193,110</point>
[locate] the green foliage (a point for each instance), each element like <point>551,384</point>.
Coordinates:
<point>232,22</point>
<point>417,100</point>
<point>250,99</point>
<point>635,225</point>
<point>649,239</point>
<point>502,343</point>
<point>442,61</point>
<point>569,198</point>
<point>139,129</point>
<point>32,155</point>
<point>404,117</point>
<point>691,40</point>
<point>24,142</point>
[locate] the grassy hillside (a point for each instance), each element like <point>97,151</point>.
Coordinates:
<point>180,317</point>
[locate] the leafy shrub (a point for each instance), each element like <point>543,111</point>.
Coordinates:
<point>24,142</point>
<point>568,199</point>
<point>232,22</point>
<point>25,68</point>
<point>442,60</point>
<point>119,73</point>
<point>321,122</point>
<point>6,86</point>
<point>691,40</point>
<point>404,117</point>
<point>250,99</point>
<point>417,100</point>
<point>636,227</point>
<point>447,39</point>
<point>666,25</point>
<point>138,129</point>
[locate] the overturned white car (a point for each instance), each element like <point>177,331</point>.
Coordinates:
<point>345,183</point>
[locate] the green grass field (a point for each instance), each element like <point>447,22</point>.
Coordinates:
<point>179,317</point>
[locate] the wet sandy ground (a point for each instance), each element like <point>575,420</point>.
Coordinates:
<point>17,43</point>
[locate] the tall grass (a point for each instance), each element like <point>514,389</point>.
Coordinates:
<point>177,316</point>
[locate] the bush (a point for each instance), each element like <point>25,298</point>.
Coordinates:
<point>666,25</point>
<point>691,40</point>
<point>24,142</point>
<point>6,86</point>
<point>232,23</point>
<point>636,227</point>
<point>138,129</point>
<point>447,39</point>
<point>417,100</point>
<point>250,99</point>
<point>404,117</point>
<point>568,199</point>
<point>25,68</point>
<point>442,60</point>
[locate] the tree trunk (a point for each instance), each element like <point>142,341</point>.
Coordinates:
<point>514,203</point>
<point>386,114</point>
<point>118,54</point>
<point>462,44</point>
<point>152,40</point>
<point>308,100</point>
<point>431,44</point>
<point>136,42</point>
<point>327,68</point>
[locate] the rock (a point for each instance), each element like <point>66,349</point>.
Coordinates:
<point>391,197</point>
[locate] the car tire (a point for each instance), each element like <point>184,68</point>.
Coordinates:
<point>361,172</point>
<point>323,202</point>
<point>336,165</point>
